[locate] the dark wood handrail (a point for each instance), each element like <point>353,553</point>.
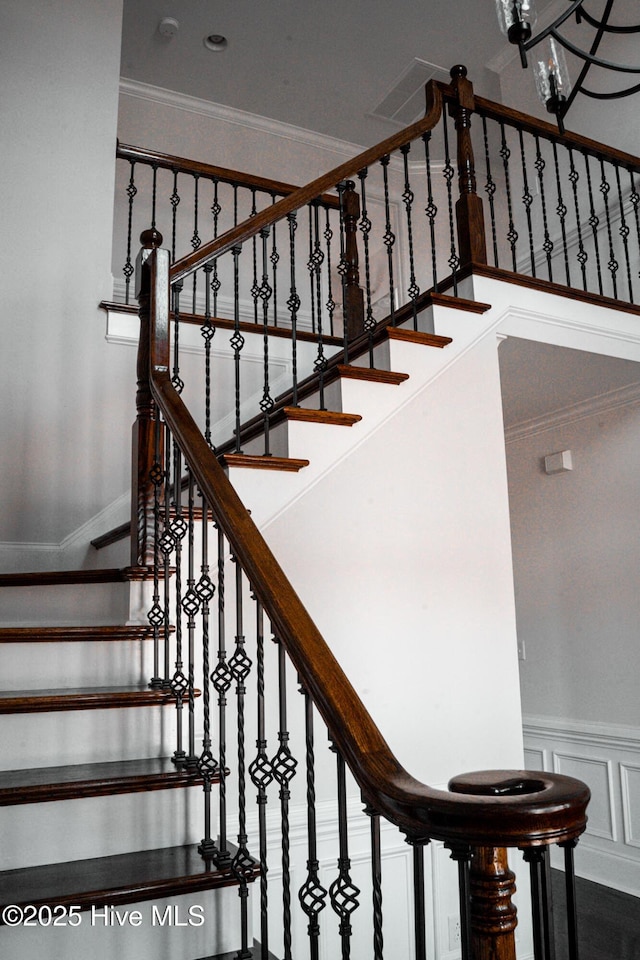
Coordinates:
<point>499,809</point>
<point>312,191</point>
<point>167,161</point>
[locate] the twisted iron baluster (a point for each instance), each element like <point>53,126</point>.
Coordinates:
<point>178,383</point>
<point>274,259</point>
<point>448,173</point>
<point>634,200</point>
<point>593,223</point>
<point>561,210</point>
<point>461,853</point>
<point>538,860</point>
<point>582,256</point>
<point>512,233</point>
<point>129,268</point>
<point>242,864</point>
<point>179,683</point>
<point>490,190</point>
<point>388,237</point>
<point>207,331</point>
<point>343,893</point>
<point>376,880</point>
<point>156,614</point>
<point>365,229</point>
<point>624,231</point>
<point>195,239</point>
<point>330,304</point>
<point>265,293</point>
<point>174,200</point>
<point>221,679</point>
<point>312,895</point>
<point>431,209</point>
<point>207,764</point>
<point>547,245</point>
<point>293,304</point>
<point>261,773</point>
<point>408,197</point>
<point>314,265</point>
<point>613,265</point>
<point>191,606</point>
<point>419,914</point>
<point>237,340</point>
<point>284,768</point>
<point>527,200</point>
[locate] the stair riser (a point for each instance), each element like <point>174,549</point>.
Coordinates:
<point>39,833</point>
<point>57,604</point>
<point>91,736</point>
<point>147,941</point>
<point>42,666</point>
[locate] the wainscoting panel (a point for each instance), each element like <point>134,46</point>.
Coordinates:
<point>607,758</point>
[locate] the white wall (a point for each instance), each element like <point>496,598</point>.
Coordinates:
<point>59,77</point>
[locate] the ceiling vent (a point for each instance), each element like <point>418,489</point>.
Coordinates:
<point>405,102</point>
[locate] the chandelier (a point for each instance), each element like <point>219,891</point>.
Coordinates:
<point>517,19</point>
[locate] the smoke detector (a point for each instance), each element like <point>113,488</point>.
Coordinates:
<point>168,27</point>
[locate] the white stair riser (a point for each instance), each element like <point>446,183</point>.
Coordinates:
<point>87,827</point>
<point>65,604</point>
<point>85,736</point>
<point>52,665</point>
<point>185,939</point>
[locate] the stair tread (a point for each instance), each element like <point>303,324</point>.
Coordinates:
<point>256,462</point>
<point>372,374</point>
<point>82,698</point>
<point>418,336</point>
<point>92,780</point>
<point>40,578</point>
<point>334,417</point>
<point>74,633</point>
<point>125,878</point>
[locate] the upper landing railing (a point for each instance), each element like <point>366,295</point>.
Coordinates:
<point>216,579</point>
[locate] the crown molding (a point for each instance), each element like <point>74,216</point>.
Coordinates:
<point>594,406</point>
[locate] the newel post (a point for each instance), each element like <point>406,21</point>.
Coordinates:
<point>493,914</point>
<point>353,306</point>
<point>472,247</point>
<point>143,431</point>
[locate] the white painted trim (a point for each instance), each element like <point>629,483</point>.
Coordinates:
<point>629,838</point>
<point>594,406</point>
<point>583,731</point>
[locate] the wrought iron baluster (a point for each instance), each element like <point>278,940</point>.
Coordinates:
<point>179,683</point>
<point>547,244</point>
<point>582,256</point>
<point>490,190</point>
<point>261,773</point>
<point>328,237</point>
<point>156,614</point>
<point>312,894</point>
<point>624,232</point>
<point>388,237</point>
<point>167,545</point>
<point>293,304</point>
<point>408,198</point>
<point>207,764</point>
<point>570,889</point>
<point>207,331</point>
<point>242,864</point>
<point>343,892</point>
<point>376,881</point>
<point>174,200</point>
<point>312,298</point>
<point>265,293</point>
<point>613,265</point>
<point>176,380</point>
<point>527,200</point>
<point>314,265</point>
<point>634,200</point>
<point>255,286</point>
<point>561,210</point>
<point>342,270</point>
<point>191,606</point>
<point>462,855</point>
<point>419,914</point>
<point>274,258</point>
<point>365,229</point>
<point>284,768</point>
<point>538,860</point>
<point>216,210</point>
<point>154,194</point>
<point>237,340</point>
<point>448,173</point>
<point>221,679</point>
<point>128,268</point>
<point>431,209</point>
<point>196,242</point>
<point>512,233</point>
<point>593,223</point>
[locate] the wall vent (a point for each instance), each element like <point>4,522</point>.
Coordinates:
<point>405,102</point>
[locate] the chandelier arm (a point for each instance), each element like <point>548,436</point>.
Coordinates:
<point>607,28</point>
<point>577,87</point>
<point>594,61</point>
<point>554,26</point>
<point>615,95</point>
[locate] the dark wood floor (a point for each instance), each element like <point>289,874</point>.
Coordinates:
<point>609,922</point>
